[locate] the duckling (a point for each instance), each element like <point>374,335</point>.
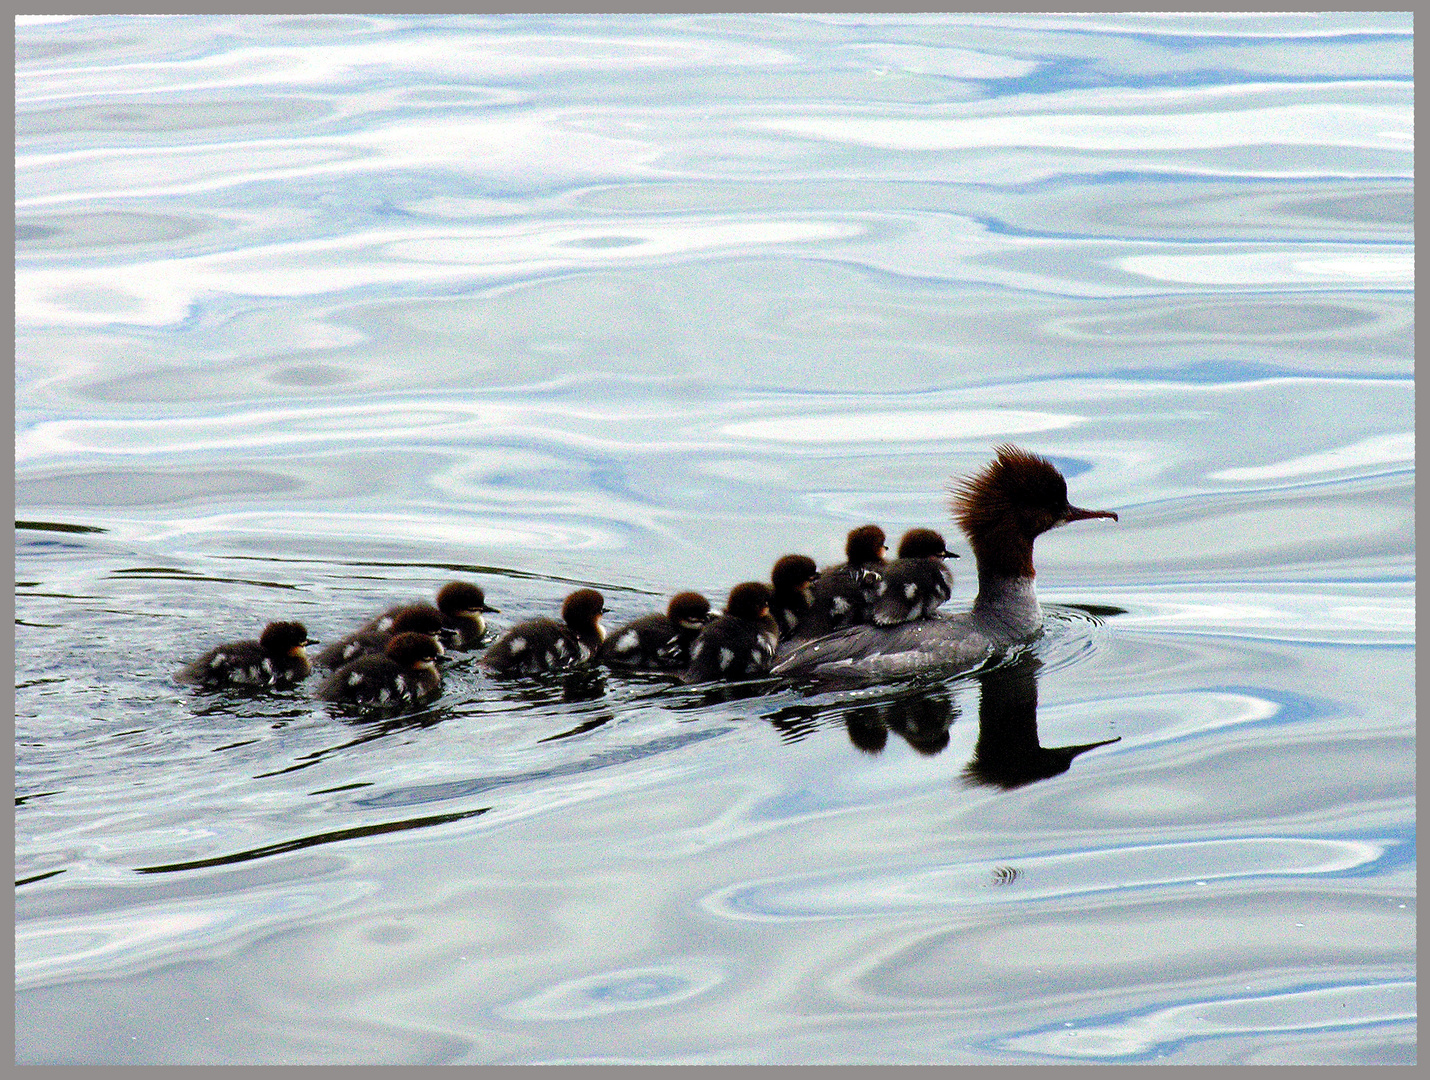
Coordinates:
<point>740,644</point>
<point>659,641</point>
<point>373,638</point>
<point>404,673</point>
<point>462,605</point>
<point>792,577</point>
<point>278,658</point>
<point>544,644</point>
<point>916,583</point>
<point>842,594</point>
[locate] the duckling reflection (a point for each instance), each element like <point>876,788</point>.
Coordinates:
<point>920,716</point>
<point>1008,754</point>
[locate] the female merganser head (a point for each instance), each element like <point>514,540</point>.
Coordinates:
<point>916,583</point>
<point>544,644</point>
<point>404,673</point>
<point>740,644</point>
<point>792,577</point>
<point>278,658</point>
<point>659,641</point>
<point>373,638</point>
<point>462,605</point>
<point>1002,510</point>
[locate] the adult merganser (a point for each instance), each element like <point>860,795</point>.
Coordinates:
<point>1002,510</point>
<point>278,658</point>
<point>792,576</point>
<point>843,593</point>
<point>544,644</point>
<point>374,636</point>
<point>404,673</point>
<point>916,583</point>
<point>659,641</point>
<point>739,644</point>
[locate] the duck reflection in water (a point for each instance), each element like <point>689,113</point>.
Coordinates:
<point>1007,754</point>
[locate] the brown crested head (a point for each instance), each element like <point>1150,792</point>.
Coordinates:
<point>281,638</point>
<point>922,544</point>
<point>749,600</point>
<point>461,598</point>
<point>583,609</point>
<point>793,572</point>
<point>689,610</point>
<point>1016,498</point>
<point>865,545</point>
<point>411,649</point>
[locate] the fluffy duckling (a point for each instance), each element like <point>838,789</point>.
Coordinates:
<point>842,595</point>
<point>792,577</point>
<point>544,644</point>
<point>373,638</point>
<point>916,583</point>
<point>278,658</point>
<point>659,641</point>
<point>740,644</point>
<point>404,673</point>
<point>462,605</point>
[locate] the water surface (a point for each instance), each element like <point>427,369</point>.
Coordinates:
<point>315,314</point>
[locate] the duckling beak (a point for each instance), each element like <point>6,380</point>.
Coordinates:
<point>1077,513</point>
<point>490,610</point>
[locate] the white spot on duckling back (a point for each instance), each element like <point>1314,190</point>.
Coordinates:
<point>354,679</point>
<point>726,656</point>
<point>627,641</point>
<point>840,606</point>
<point>515,645</point>
<point>910,591</point>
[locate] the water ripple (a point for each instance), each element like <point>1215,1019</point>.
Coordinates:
<point>1117,870</point>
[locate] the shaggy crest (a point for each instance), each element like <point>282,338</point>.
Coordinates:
<point>1013,481</point>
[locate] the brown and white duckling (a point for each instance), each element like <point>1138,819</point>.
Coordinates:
<point>659,641</point>
<point>792,577</point>
<point>373,638</point>
<point>278,658</point>
<point>842,595</point>
<point>404,673</point>
<point>545,644</point>
<point>740,644</point>
<point>916,583</point>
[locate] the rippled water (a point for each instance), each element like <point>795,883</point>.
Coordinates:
<point>315,314</point>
